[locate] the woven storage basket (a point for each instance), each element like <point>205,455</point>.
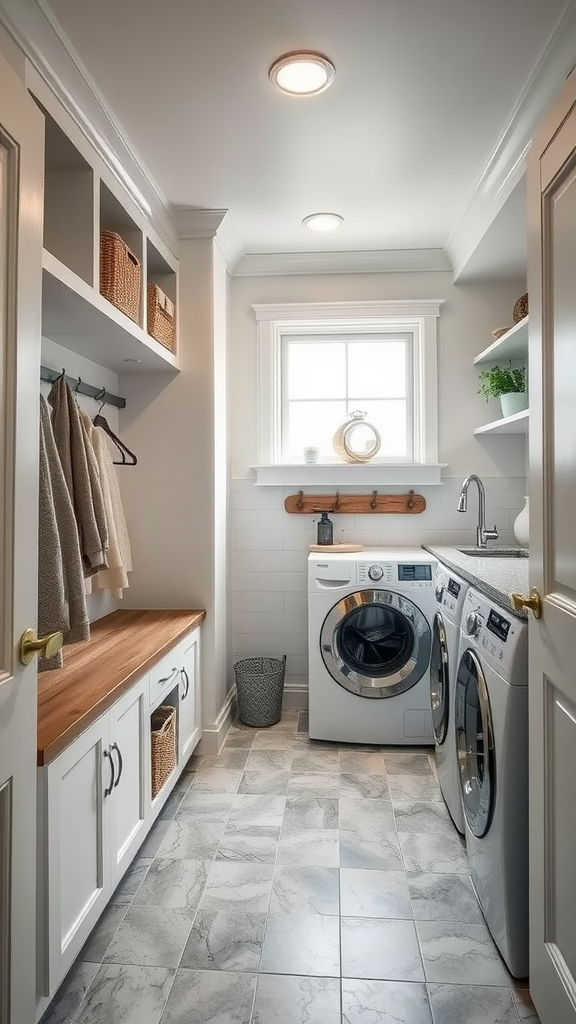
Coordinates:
<point>160,316</point>
<point>520,308</point>
<point>163,745</point>
<point>120,274</point>
<point>260,688</point>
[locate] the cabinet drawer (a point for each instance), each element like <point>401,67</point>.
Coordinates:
<point>165,675</point>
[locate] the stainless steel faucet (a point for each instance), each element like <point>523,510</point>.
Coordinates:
<point>482,534</point>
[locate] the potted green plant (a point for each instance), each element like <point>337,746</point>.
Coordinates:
<point>508,383</point>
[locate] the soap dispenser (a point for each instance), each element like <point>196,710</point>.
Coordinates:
<point>325,530</point>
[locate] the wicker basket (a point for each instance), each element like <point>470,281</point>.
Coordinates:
<point>120,274</point>
<point>160,316</point>
<point>520,308</point>
<point>163,745</point>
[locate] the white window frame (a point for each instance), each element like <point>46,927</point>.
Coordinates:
<point>418,317</point>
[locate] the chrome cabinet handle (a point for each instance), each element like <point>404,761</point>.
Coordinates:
<point>184,673</point>
<point>112,773</point>
<point>120,762</point>
<point>166,678</point>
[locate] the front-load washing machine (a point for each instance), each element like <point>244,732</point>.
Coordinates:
<point>492,746</point>
<point>450,592</point>
<point>369,638</point>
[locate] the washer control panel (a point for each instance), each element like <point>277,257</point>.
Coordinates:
<point>450,593</point>
<point>499,637</point>
<point>412,576</point>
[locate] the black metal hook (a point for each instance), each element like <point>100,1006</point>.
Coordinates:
<point>76,386</point>
<point>336,503</point>
<point>411,499</point>
<point>300,504</point>
<point>373,503</point>
<point>101,395</point>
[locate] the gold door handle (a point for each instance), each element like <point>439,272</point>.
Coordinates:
<point>44,646</point>
<point>533,602</point>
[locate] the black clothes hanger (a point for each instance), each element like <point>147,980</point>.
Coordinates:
<point>102,422</point>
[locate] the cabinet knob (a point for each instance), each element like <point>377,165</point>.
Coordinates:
<point>533,602</point>
<point>44,646</point>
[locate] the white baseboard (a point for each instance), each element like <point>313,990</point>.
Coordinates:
<point>213,736</point>
<point>295,697</point>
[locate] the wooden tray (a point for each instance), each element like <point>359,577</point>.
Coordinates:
<point>343,548</point>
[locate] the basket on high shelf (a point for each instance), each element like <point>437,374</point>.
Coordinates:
<point>160,316</point>
<point>163,745</point>
<point>120,274</point>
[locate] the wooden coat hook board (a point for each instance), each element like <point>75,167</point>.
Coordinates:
<point>356,504</point>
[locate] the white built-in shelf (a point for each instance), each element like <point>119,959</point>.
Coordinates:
<point>338,474</point>
<point>512,345</point>
<point>77,317</point>
<point>516,424</point>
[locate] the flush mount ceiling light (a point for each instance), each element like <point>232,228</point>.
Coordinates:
<point>302,73</point>
<point>323,221</point>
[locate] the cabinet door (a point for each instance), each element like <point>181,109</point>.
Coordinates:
<point>189,727</point>
<point>75,880</point>
<point>127,801</point>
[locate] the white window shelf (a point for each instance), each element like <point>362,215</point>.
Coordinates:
<point>371,474</point>
<point>516,424</point>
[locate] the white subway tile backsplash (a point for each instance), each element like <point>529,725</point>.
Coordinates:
<point>296,603</point>
<point>258,540</point>
<point>260,601</point>
<point>270,554</point>
<point>288,581</point>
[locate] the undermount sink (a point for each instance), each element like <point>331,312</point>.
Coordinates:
<point>495,552</point>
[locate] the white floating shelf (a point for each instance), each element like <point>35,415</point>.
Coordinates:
<point>77,317</point>
<point>516,424</point>
<point>371,474</point>
<point>512,345</point>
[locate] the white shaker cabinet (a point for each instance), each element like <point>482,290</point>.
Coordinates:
<point>92,802</point>
<point>128,753</point>
<point>189,726</point>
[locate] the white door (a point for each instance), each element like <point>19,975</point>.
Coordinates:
<point>552,290</point>
<point>21,175</point>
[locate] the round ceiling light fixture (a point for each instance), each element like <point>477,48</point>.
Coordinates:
<point>323,221</point>
<point>302,73</point>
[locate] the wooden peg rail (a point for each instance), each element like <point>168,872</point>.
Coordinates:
<point>356,504</point>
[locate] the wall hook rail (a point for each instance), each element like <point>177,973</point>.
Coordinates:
<point>82,388</point>
<point>356,504</point>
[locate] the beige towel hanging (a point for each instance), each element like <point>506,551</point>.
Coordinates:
<point>115,576</point>
<point>61,598</point>
<point>81,475</point>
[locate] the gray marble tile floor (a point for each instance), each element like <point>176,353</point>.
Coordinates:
<point>294,882</point>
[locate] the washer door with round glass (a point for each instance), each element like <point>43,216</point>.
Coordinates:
<point>475,745</point>
<point>376,643</point>
<point>439,679</point>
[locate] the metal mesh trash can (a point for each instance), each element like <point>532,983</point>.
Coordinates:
<point>260,687</point>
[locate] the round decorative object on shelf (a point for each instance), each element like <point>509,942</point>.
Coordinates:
<point>356,440</point>
<point>520,308</point>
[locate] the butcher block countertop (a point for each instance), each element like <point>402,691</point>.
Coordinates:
<point>122,647</point>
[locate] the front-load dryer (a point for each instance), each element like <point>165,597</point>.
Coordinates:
<point>369,638</point>
<point>450,592</point>
<point>492,745</point>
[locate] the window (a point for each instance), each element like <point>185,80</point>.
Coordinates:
<point>319,362</point>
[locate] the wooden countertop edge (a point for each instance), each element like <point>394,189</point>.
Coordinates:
<point>49,747</point>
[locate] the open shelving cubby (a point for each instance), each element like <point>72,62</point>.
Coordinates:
<point>68,203</point>
<point>513,346</point>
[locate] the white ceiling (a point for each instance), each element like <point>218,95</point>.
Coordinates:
<point>423,92</point>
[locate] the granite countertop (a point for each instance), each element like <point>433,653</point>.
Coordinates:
<point>495,577</point>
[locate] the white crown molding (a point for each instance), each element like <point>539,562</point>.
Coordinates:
<point>197,223</point>
<point>37,33</point>
<point>507,162</point>
<point>374,261</point>
<point>283,311</point>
